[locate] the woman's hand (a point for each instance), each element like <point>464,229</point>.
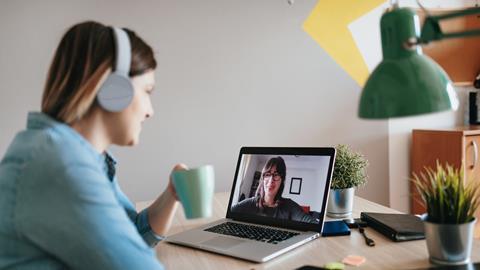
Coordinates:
<point>171,187</point>
<point>161,212</point>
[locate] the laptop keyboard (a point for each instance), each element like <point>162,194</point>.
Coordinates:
<point>258,233</point>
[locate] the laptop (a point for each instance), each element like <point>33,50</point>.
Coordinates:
<point>277,203</point>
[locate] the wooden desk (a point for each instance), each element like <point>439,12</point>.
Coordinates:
<point>385,255</point>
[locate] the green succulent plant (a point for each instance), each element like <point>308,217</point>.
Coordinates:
<point>447,199</point>
<point>350,168</point>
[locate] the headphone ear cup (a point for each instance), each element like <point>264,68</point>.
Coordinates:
<point>116,93</point>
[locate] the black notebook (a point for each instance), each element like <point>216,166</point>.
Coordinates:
<point>398,227</point>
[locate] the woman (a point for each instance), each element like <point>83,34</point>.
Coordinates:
<point>59,198</point>
<point>268,200</point>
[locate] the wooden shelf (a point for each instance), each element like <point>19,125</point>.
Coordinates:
<point>459,57</point>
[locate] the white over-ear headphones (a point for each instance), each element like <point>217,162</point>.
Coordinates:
<point>116,92</point>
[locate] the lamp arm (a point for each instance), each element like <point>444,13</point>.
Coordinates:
<point>432,31</point>
<point>470,33</point>
<point>459,13</point>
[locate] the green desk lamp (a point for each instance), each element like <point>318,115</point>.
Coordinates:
<point>407,82</point>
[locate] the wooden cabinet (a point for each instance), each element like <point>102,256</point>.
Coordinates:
<point>454,146</point>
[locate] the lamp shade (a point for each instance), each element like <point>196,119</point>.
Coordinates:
<point>406,82</point>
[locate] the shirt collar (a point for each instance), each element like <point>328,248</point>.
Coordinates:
<point>110,158</point>
<point>110,167</point>
<point>38,120</point>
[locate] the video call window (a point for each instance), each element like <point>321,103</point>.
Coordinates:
<point>281,186</point>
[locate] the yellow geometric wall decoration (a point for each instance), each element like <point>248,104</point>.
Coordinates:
<point>328,26</point>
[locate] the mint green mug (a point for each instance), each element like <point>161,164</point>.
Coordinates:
<point>195,189</point>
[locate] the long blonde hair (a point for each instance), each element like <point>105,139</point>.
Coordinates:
<point>83,59</point>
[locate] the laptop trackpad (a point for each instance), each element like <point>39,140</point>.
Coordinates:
<point>221,242</point>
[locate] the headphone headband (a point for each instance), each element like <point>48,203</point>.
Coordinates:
<point>123,52</point>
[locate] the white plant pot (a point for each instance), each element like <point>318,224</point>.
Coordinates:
<point>449,244</point>
<point>340,202</point>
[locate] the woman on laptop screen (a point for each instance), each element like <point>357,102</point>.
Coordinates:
<point>268,200</point>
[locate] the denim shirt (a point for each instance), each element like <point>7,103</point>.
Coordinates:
<point>61,205</point>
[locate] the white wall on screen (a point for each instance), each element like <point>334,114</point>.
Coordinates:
<point>314,175</point>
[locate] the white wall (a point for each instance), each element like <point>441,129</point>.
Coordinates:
<point>311,193</point>
<point>247,177</point>
<point>307,189</point>
<point>313,171</point>
<point>230,73</point>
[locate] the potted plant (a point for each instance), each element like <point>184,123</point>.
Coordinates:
<point>450,218</point>
<point>349,172</point>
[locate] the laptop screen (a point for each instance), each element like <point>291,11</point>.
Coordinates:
<point>282,186</point>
